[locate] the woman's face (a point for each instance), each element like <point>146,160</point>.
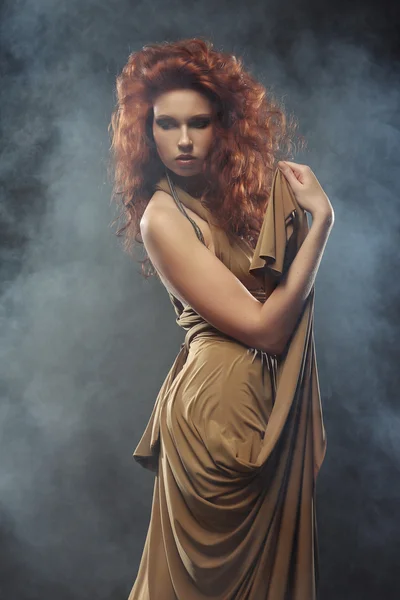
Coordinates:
<point>183,123</point>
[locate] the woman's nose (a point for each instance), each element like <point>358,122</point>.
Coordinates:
<point>184,139</point>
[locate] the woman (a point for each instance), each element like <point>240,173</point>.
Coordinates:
<point>236,436</point>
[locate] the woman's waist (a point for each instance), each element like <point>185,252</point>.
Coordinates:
<point>204,331</point>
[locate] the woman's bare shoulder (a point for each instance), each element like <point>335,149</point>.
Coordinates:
<point>161,198</point>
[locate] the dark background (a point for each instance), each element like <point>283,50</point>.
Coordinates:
<point>86,342</point>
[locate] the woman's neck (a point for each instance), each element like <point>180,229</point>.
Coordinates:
<point>194,185</point>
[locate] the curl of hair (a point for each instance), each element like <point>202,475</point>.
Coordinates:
<point>252,134</point>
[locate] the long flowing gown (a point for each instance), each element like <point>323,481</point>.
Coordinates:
<point>236,440</point>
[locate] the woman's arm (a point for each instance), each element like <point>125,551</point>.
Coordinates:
<point>284,305</point>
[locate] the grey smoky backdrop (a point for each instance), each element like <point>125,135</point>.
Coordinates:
<point>86,342</point>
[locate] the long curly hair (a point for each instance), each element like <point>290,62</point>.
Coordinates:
<point>252,134</point>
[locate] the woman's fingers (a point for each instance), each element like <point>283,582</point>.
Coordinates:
<point>291,174</point>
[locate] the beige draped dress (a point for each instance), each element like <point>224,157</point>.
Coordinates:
<point>236,439</point>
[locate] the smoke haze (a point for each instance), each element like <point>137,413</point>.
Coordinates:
<point>86,342</point>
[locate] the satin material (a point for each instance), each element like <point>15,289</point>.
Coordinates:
<point>236,440</point>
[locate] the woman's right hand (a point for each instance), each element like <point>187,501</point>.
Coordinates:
<point>307,189</point>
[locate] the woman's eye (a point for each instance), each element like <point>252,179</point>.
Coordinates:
<point>201,124</point>
<point>164,125</point>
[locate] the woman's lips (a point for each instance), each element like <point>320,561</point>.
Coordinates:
<point>185,161</point>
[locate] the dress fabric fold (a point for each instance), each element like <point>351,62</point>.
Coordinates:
<point>236,440</point>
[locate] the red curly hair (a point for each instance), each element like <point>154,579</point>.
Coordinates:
<point>252,134</point>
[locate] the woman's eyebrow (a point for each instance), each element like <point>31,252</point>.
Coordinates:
<point>192,117</point>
